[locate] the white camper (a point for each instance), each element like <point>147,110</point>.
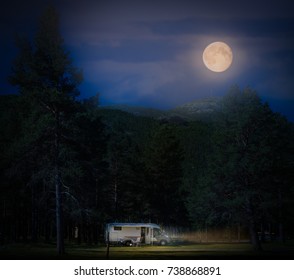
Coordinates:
<point>130,234</point>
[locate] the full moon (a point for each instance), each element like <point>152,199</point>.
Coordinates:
<point>217,57</point>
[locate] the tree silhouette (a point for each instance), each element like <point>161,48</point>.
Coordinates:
<point>243,182</point>
<point>45,76</point>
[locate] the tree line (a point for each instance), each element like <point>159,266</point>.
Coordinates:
<point>68,166</point>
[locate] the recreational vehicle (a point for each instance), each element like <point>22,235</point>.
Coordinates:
<point>131,234</point>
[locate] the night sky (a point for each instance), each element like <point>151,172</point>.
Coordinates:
<point>149,53</point>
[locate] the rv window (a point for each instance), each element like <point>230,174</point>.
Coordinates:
<point>117,228</point>
<point>156,232</point>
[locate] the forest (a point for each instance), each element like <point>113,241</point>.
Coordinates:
<point>67,162</point>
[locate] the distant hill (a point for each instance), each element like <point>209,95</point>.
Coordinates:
<point>138,110</point>
<point>200,109</point>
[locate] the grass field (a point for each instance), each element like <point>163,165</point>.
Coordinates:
<point>192,251</point>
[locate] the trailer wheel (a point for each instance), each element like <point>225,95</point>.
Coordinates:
<point>162,242</point>
<point>129,243</point>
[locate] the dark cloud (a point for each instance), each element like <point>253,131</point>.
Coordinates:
<point>280,28</point>
<point>131,50</point>
<point>150,52</point>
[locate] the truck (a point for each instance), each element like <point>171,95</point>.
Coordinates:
<point>130,234</point>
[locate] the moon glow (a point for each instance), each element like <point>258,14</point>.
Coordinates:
<point>217,57</point>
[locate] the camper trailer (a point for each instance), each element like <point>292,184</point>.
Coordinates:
<point>131,234</point>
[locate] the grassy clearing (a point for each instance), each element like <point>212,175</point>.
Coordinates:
<point>194,251</point>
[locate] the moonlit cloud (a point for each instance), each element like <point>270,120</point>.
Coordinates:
<point>154,51</point>
<point>150,52</point>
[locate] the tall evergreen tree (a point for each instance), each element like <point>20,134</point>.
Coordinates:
<point>127,134</point>
<point>45,76</point>
<point>164,171</point>
<point>239,185</point>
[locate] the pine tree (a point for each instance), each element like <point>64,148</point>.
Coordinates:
<point>164,169</point>
<point>45,76</point>
<point>240,185</point>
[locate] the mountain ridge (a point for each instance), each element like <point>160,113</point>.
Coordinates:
<point>199,109</point>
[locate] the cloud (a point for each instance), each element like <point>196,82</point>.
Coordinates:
<point>139,78</point>
<point>156,53</point>
<point>150,52</point>
<point>164,83</point>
